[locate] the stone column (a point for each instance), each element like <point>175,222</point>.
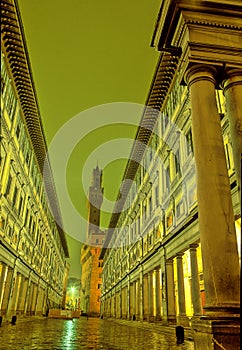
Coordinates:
<point>218,238</point>
<point>216,218</point>
<point>150,297</point>
<point>22,295</point>
<point>13,294</point>
<point>145,297</point>
<point>158,294</point>
<point>141,295</point>
<point>109,304</point>
<point>164,302</point>
<point>34,299</point>
<point>12,306</point>
<point>120,302</point>
<point>232,89</point>
<point>4,272</point>
<point>114,302</point>
<point>38,310</point>
<point>137,302</point>
<point>128,300</point>
<point>170,292</point>
<point>181,291</point>
<point>195,283</point>
<point>7,290</point>
<point>28,299</point>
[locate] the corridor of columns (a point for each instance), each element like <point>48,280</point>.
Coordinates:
<point>171,296</point>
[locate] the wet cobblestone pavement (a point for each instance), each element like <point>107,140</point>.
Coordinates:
<point>48,334</point>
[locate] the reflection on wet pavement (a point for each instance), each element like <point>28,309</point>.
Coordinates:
<point>80,333</point>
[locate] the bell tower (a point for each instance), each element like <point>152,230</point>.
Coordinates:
<point>95,199</point>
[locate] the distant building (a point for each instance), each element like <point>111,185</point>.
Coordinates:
<point>91,264</point>
<point>33,247</point>
<point>172,255</point>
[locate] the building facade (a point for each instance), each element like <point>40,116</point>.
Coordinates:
<point>172,255</point>
<point>91,265</point>
<point>33,248</point>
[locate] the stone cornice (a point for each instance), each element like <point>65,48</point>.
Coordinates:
<point>15,51</point>
<point>160,86</point>
<point>171,10</point>
<point>213,24</point>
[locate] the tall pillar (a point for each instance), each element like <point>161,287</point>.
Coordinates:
<point>120,302</point>
<point>181,291</point>
<point>112,304</point>
<point>38,310</point>
<point>145,297</point>
<point>195,283</point>
<point>137,298</point>
<point>34,299</point>
<point>131,299</point>
<point>134,298</point>
<point>141,295</point>
<point>170,292</point>
<point>13,294</point>
<point>29,296</point>
<point>7,290</point>
<point>158,294</point>
<point>232,89</point>
<point>4,271</point>
<point>216,219</point>
<point>115,306</point>
<point>12,305</point>
<point>22,295</point>
<point>150,297</point>
<point>164,302</point>
<point>128,300</point>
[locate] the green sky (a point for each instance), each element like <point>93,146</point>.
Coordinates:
<point>84,54</point>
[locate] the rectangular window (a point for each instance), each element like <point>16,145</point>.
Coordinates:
<point>169,220</point>
<point>167,178</point>
<point>165,121</point>
<point>177,161</point>
<point>144,211</point>
<point>26,217</point>
<point>8,188</point>
<point>20,205</point>
<point>229,156</point>
<point>180,209</point>
<point>27,157</point>
<point>189,142</point>
<point>10,104</point>
<point>15,193</point>
<point>157,195</point>
<point>150,205</point>
<point>4,79</point>
<point>18,129</point>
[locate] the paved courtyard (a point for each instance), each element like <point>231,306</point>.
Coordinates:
<point>47,334</point>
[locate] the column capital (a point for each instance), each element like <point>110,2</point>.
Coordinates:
<point>231,77</point>
<point>193,246</point>
<point>169,261</point>
<point>200,72</point>
<point>179,255</point>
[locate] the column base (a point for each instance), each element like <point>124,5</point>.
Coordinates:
<point>151,319</point>
<point>211,334</point>
<point>169,320</point>
<point>158,318</point>
<point>183,321</point>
